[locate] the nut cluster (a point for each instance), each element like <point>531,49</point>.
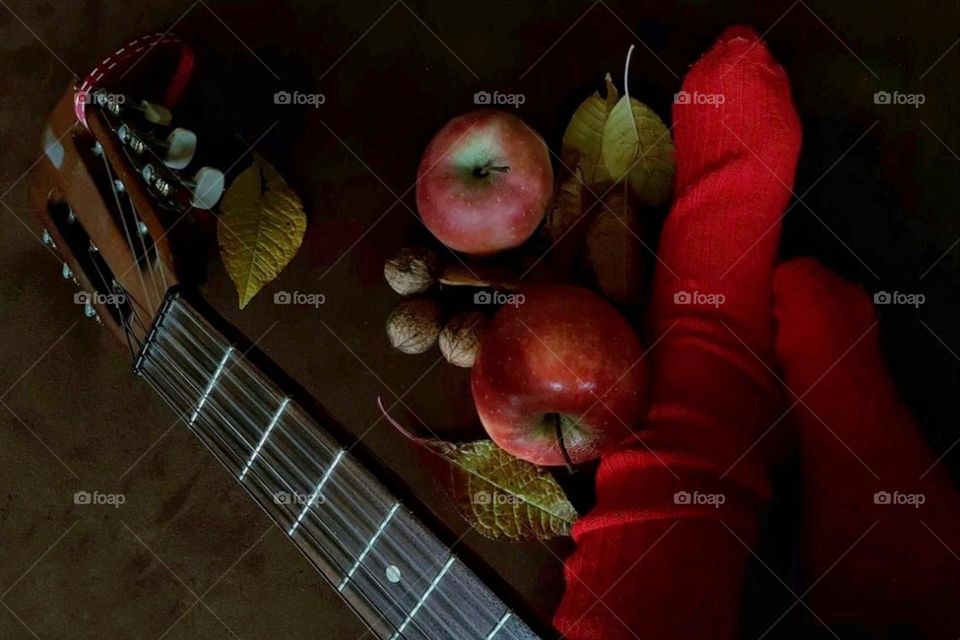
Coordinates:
<point>417,324</point>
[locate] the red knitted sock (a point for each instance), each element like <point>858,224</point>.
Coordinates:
<point>881,517</point>
<point>663,553</point>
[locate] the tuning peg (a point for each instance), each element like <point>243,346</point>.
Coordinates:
<point>115,103</point>
<point>206,188</point>
<point>155,113</point>
<point>177,150</point>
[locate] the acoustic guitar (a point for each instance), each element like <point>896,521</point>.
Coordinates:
<point>117,175</point>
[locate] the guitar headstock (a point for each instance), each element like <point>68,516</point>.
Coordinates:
<point>118,173</point>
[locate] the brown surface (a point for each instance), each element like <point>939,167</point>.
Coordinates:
<point>77,419</point>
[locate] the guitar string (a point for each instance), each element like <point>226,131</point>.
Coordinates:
<point>155,264</point>
<point>126,231</point>
<point>103,282</point>
<point>357,497</point>
<point>255,375</point>
<point>291,467</point>
<point>318,546</point>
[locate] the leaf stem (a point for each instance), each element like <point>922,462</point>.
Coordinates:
<point>626,90</point>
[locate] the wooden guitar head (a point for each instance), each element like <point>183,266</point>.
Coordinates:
<point>111,184</point>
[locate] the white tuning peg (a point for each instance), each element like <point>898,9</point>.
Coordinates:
<point>206,188</point>
<point>179,149</point>
<point>155,113</point>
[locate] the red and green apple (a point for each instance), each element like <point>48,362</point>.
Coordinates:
<point>484,183</point>
<point>559,376</point>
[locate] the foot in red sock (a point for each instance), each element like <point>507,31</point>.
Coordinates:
<point>663,553</point>
<point>881,517</point>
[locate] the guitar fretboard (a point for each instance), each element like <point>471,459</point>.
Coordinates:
<point>400,579</point>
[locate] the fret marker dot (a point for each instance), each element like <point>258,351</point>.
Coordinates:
<point>393,573</point>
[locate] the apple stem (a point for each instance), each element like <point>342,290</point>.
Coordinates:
<point>563,447</point>
<point>484,171</point>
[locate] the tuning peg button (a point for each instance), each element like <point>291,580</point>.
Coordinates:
<point>155,113</point>
<point>179,149</point>
<point>206,188</point>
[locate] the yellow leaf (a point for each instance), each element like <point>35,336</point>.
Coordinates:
<point>637,148</point>
<point>260,227</point>
<point>583,139</point>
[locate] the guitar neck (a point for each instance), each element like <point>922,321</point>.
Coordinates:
<point>399,578</point>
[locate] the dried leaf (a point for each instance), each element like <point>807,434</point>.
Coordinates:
<point>503,497</point>
<point>474,276</point>
<point>615,253</point>
<point>637,147</point>
<point>566,212</point>
<point>583,139</point>
<point>260,227</point>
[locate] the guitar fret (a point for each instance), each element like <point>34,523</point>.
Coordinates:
<point>316,492</point>
<point>210,385</point>
<point>366,549</point>
<point>352,529</point>
<point>426,594</point>
<point>266,434</point>
<point>499,626</point>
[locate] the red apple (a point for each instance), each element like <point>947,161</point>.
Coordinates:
<point>484,182</point>
<point>559,355</point>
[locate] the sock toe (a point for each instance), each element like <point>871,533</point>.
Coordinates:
<point>820,318</point>
<point>736,102</point>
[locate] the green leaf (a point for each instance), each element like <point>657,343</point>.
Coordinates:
<point>637,148</point>
<point>504,497</point>
<point>501,496</point>
<point>260,228</point>
<point>583,139</point>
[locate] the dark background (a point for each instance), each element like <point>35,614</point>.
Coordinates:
<point>879,185</point>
